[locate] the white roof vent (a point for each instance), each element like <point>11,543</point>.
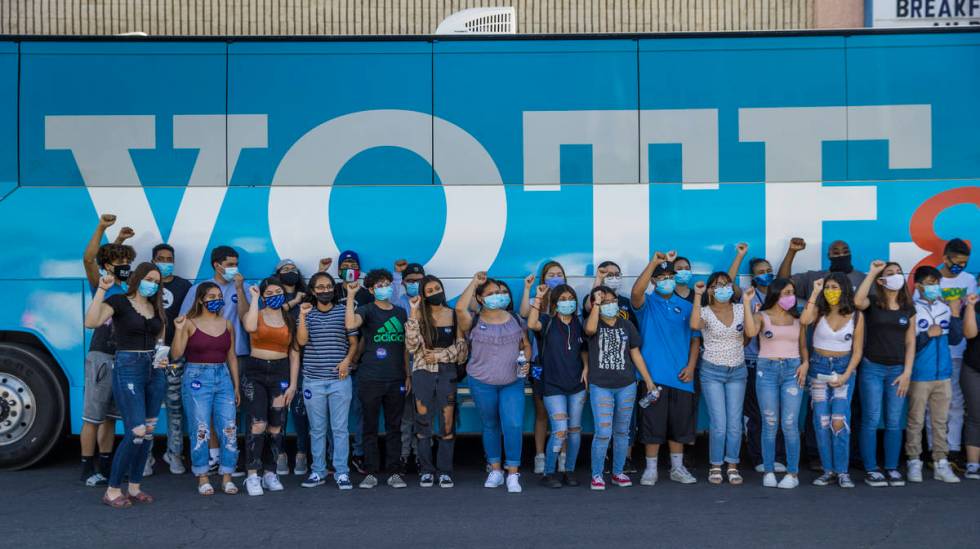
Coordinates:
<point>480,21</point>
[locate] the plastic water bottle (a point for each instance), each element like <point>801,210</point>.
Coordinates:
<point>650,397</point>
<point>521,363</point>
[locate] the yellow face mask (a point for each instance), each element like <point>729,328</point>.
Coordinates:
<point>832,296</point>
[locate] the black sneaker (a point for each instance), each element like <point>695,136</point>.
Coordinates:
<point>569,480</point>
<point>844,481</point>
<point>445,481</point>
<point>357,462</point>
<point>628,467</point>
<point>895,477</point>
<point>875,479</point>
<point>825,479</point>
<point>426,480</point>
<point>549,481</point>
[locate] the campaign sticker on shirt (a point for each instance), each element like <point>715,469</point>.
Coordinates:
<point>738,328</point>
<point>234,298</point>
<point>903,321</point>
<point>944,324</point>
<point>381,353</point>
<point>677,309</point>
<point>447,329</point>
<point>283,385</point>
<point>195,385</point>
<point>923,323</point>
<point>483,326</point>
<point>307,394</point>
<point>848,337</point>
<point>768,334</point>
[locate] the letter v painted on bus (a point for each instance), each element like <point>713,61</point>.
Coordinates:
<point>101,144</point>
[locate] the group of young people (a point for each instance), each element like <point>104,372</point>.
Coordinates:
<point>338,354</point>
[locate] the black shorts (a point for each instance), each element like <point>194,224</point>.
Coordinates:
<point>674,416</point>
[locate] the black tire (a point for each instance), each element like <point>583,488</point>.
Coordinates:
<point>32,368</point>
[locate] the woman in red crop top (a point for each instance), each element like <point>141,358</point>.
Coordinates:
<point>210,384</point>
<point>268,381</point>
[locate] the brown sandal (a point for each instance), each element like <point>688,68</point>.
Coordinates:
<point>119,502</point>
<point>141,497</point>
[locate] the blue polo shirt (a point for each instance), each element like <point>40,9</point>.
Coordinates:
<point>666,332</point>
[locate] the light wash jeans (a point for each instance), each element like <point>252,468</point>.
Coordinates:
<point>724,392</point>
<point>327,404</point>
<point>831,404</point>
<point>208,397</point>
<point>612,410</point>
<point>780,398</point>
<point>565,419</point>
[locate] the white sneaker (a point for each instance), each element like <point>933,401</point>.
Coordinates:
<point>944,472</point>
<point>396,481</point>
<point>148,468</point>
<point>253,485</point>
<point>789,482</point>
<point>682,475</point>
<point>769,480</point>
<point>282,464</point>
<point>539,464</point>
<point>270,481</point>
<point>649,477</point>
<point>176,463</point>
<point>514,483</point>
<point>915,470</point>
<point>495,479</point>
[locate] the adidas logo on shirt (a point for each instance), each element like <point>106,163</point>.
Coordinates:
<point>391,331</point>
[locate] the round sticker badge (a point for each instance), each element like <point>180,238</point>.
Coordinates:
<point>923,323</point>
<point>944,324</point>
<point>381,353</point>
<point>307,394</point>
<point>738,328</point>
<point>283,385</point>
<point>903,321</point>
<point>195,385</point>
<point>768,334</point>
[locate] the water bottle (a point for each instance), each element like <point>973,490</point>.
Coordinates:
<point>650,397</point>
<point>521,363</point>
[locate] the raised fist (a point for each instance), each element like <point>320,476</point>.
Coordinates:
<point>748,294</point>
<point>107,281</point>
<point>877,266</point>
<point>126,233</point>
<point>699,288</point>
<point>305,309</point>
<point>529,280</point>
<point>480,277</point>
<point>107,220</point>
<point>797,244</point>
<point>400,265</point>
<point>671,255</point>
<point>742,248</point>
<point>325,264</point>
<point>179,322</point>
<point>818,285</point>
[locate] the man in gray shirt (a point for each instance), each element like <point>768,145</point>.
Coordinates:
<point>839,255</point>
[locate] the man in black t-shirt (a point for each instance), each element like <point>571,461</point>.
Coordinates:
<point>382,373</point>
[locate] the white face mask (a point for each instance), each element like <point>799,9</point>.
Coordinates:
<point>894,282</point>
<point>613,282</point>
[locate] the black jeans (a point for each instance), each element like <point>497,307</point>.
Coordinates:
<point>435,396</point>
<point>262,382</point>
<point>377,397</point>
<point>753,423</point>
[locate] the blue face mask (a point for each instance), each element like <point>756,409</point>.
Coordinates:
<point>275,301</point>
<point>724,293</point>
<point>214,305</point>
<point>764,279</point>
<point>383,293</point>
<point>554,282</point>
<point>609,310</point>
<point>148,289</point>
<point>955,269</point>
<point>565,307</point>
<point>412,289</point>
<point>932,292</point>
<point>682,277</point>
<point>496,301</point>
<point>230,273</point>
<point>166,269</point>
<point>666,286</point>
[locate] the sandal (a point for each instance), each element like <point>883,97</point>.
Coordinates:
<point>119,502</point>
<point>205,489</point>
<point>734,477</point>
<point>714,475</point>
<point>141,497</point>
<point>230,488</point>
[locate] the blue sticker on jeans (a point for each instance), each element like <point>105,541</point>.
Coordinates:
<point>195,385</point>
<point>307,394</point>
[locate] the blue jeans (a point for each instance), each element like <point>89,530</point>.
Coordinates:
<point>831,404</point>
<point>209,399</point>
<point>564,416</point>
<point>501,410</point>
<point>327,404</point>
<point>612,409</point>
<point>780,398</point>
<point>724,391</point>
<point>138,389</point>
<point>876,388</point>
<point>356,417</point>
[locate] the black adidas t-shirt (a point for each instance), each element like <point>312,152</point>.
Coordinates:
<point>384,343</point>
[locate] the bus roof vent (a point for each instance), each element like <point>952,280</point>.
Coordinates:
<point>480,21</point>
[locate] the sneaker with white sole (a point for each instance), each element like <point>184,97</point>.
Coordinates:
<point>875,479</point>
<point>769,480</point>
<point>649,477</point>
<point>539,464</point>
<point>253,485</point>
<point>96,479</point>
<point>369,482</point>
<point>148,468</point>
<point>972,471</point>
<point>598,483</point>
<point>282,464</point>
<point>622,480</point>
<point>495,479</point>
<point>895,477</point>
<point>825,479</point>
<point>682,475</point>
<point>176,463</point>
<point>313,481</point>
<point>396,481</point>
<point>427,480</point>
<point>514,483</point>
<point>301,467</point>
<point>844,480</point>
<point>446,481</point>
<point>344,483</point>
<point>270,481</point>
<point>915,470</point>
<point>789,482</point>
<point>944,472</point>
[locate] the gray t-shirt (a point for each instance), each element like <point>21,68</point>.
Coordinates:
<point>493,351</point>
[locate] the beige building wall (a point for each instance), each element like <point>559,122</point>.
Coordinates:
<point>392,17</point>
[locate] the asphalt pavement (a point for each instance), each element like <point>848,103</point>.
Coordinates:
<point>47,506</point>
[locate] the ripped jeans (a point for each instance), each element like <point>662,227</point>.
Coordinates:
<point>209,399</point>
<point>175,409</point>
<point>831,405</point>
<point>138,390</point>
<point>780,398</point>
<point>565,421</point>
<point>435,400</point>
<point>263,382</point>
<point>612,410</point>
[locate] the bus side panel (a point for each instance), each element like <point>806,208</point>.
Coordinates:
<point>8,116</point>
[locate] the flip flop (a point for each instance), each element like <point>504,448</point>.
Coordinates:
<point>119,502</point>
<point>141,497</point>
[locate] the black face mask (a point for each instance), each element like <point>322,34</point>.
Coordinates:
<point>122,272</point>
<point>841,264</point>
<point>436,299</point>
<point>324,297</point>
<point>289,279</point>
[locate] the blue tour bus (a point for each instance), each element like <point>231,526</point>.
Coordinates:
<point>464,155</point>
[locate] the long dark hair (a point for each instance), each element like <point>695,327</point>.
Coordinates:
<point>427,322</point>
<point>846,304</point>
<point>286,318</point>
<point>705,299</point>
<point>197,309</point>
<point>311,295</point>
<point>903,297</point>
<point>546,297</point>
<point>138,274</point>
<point>560,289</point>
<point>772,295</point>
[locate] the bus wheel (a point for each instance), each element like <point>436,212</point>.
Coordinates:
<point>32,406</point>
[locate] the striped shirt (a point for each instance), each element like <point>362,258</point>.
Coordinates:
<point>328,344</point>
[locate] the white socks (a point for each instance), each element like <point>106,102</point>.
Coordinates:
<point>651,463</point>
<point>676,460</point>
